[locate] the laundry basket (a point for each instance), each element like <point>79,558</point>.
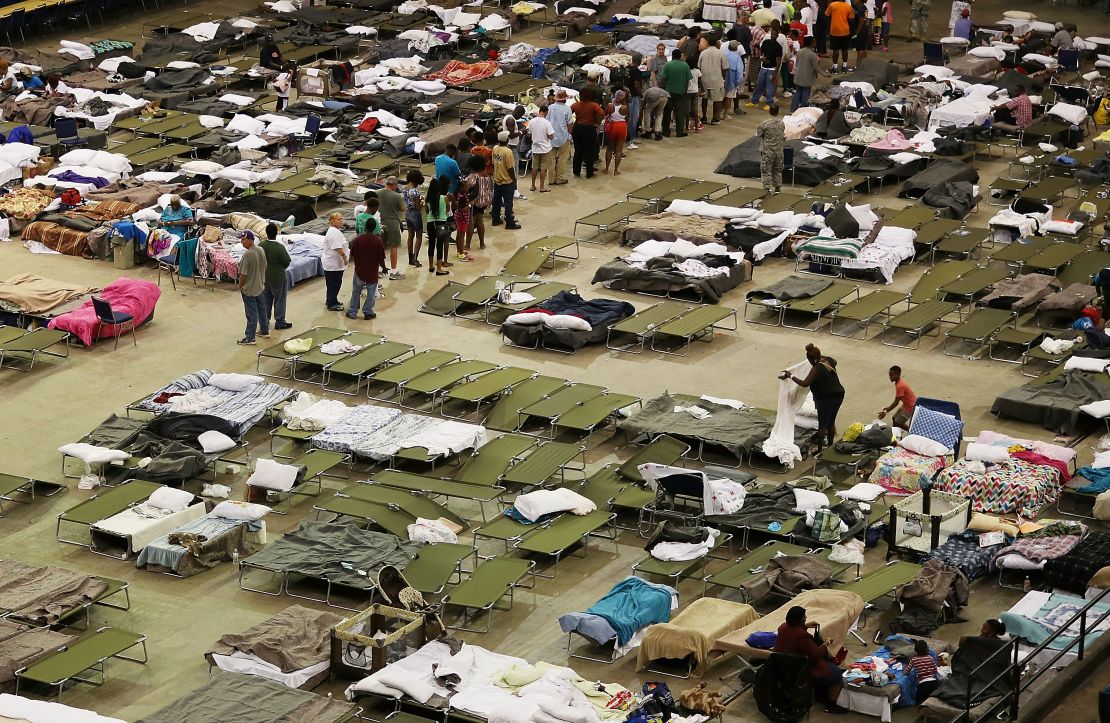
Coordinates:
<point>375,637</point>
<point>923,521</point>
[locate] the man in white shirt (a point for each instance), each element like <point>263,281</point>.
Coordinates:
<point>543,133</point>
<point>334,260</point>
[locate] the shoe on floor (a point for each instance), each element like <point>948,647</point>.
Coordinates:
<point>283,325</point>
<point>836,709</point>
<point>369,316</point>
<point>246,342</point>
<point>512,227</point>
<point>336,307</point>
<point>658,136</point>
<point>749,105</point>
<point>352,315</point>
<point>497,221</point>
<point>395,275</point>
<point>631,146</point>
<point>264,336</point>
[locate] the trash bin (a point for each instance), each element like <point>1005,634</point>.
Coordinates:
<point>123,253</point>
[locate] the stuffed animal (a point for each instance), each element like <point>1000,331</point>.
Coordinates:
<point>702,700</point>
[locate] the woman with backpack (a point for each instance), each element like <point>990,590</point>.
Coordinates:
<point>479,189</point>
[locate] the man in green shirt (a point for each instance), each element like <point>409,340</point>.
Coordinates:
<point>252,282</point>
<point>676,78</point>
<point>277,261</point>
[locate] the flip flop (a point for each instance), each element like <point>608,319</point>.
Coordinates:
<point>545,190</point>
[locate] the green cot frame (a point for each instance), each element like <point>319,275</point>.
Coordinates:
<point>388,508</point>
<point>652,193</point>
<point>559,402</point>
<point>677,570</point>
<point>543,252</point>
<point>435,566</point>
<point>434,383</point>
<point>316,359</point>
<point>504,416</point>
<point>564,532</point>
<point>91,652</point>
<point>11,484</point>
<point>110,501</point>
<point>27,347</point>
<point>396,375</point>
<point>865,310</point>
<point>318,334</point>
<point>544,462</point>
<point>317,464</point>
<point>608,218</point>
<point>493,579</point>
<point>488,386</point>
<point>361,364</point>
<point>643,323</point>
<point>978,330</point>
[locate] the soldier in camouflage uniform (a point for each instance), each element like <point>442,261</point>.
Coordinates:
<point>919,19</point>
<point>773,133</point>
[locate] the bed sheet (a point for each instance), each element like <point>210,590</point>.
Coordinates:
<point>962,550</point>
<point>669,8</point>
<point>1039,614</point>
<point>961,113</point>
<point>142,529</point>
<point>835,610</point>
<point>248,664</point>
<point>18,708</point>
<point>240,408</point>
<point>130,296</point>
<point>902,472</point>
<point>1011,487</point>
<point>163,554</point>
<point>353,428</point>
<point>304,261</point>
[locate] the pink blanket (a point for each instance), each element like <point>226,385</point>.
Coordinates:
<point>130,296</point>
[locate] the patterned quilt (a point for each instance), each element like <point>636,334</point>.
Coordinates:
<point>902,472</point>
<point>456,72</point>
<point>355,428</point>
<point>1011,487</point>
<point>962,551</point>
<point>1075,569</point>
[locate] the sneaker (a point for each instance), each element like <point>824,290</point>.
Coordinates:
<point>787,94</point>
<point>283,325</point>
<point>352,315</point>
<point>246,342</point>
<point>497,221</point>
<point>767,107</point>
<point>658,136</point>
<point>395,275</point>
<point>264,335</point>
<point>836,709</point>
<point>749,104</point>
<point>337,307</point>
<point>519,196</point>
<point>631,146</point>
<point>512,227</point>
<point>369,315</point>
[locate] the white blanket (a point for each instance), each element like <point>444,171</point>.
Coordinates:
<point>534,505</point>
<point>18,708</point>
<point>780,444</point>
<point>143,530</point>
<point>680,551</point>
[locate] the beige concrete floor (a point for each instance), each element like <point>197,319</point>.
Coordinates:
<point>197,327</point>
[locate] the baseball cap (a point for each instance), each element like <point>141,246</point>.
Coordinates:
<point>503,136</point>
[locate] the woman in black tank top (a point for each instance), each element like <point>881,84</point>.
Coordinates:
<point>828,393</point>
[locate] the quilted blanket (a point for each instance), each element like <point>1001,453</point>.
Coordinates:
<point>1011,487</point>
<point>1074,570</point>
<point>129,296</point>
<point>903,472</point>
<point>456,72</point>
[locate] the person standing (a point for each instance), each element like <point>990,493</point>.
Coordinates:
<point>439,234</point>
<point>391,209</point>
<point>655,66</point>
<point>714,67</point>
<point>655,100</point>
<point>772,133</point>
<point>840,14</point>
<point>414,213</point>
<point>559,115</point>
<point>504,181</point>
<point>274,295</point>
<point>807,69</point>
<point>676,78</point>
<point>480,188</point>
<point>368,258</point>
<point>252,282</point>
<point>616,131</point>
<point>823,382</point>
<point>587,117</point>
<point>887,14</point>
<point>514,124</point>
<point>734,76</point>
<point>543,134</point>
<point>770,58</point>
<point>446,165</point>
<point>334,260</point>
<point>904,398</point>
<point>919,19</point>
<point>635,99</point>
<point>864,30</point>
<point>821,29</point>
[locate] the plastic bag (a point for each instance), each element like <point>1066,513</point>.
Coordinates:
<point>88,482</point>
<point>216,491</point>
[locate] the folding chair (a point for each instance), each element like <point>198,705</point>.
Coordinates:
<point>66,131</point>
<point>492,580</point>
<point>121,320</point>
<point>934,53</point>
<point>311,129</point>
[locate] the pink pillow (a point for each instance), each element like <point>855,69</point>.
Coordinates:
<point>1055,451</point>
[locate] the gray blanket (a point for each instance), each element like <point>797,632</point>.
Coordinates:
<point>737,430</point>
<point>976,666</point>
<point>42,595</point>
<point>294,639</point>
<point>1067,303</point>
<point>659,278</point>
<point>789,575</point>
<point>792,287</point>
<point>318,549</point>
<point>250,699</point>
<point>115,432</point>
<point>221,538</point>
<point>1020,293</point>
<point>1053,404</point>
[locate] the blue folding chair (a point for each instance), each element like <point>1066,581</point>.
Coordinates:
<point>66,131</point>
<point>934,53</point>
<point>105,315</point>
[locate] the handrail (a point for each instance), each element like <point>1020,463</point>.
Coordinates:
<point>1015,668</point>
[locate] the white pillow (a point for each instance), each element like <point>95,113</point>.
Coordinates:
<point>1074,114</point>
<point>808,500</point>
<point>91,454</point>
<point>864,216</point>
<point>923,445</point>
<point>273,475</point>
<point>1019,15</point>
<point>246,124</point>
<point>985,52</point>
<point>1085,364</point>
<point>170,498</point>
<point>241,511</point>
<point>863,491</point>
<point>114,162</point>
<point>1055,451</point>
<point>1098,410</point>
<point>527,317</point>
<point>239,174</point>
<point>567,321</point>
<point>234,382</point>
<point>19,154</point>
<point>215,442</point>
<point>78,157</point>
<point>1102,459</point>
<point>986,453</point>
<point>202,168</point>
<point>936,71</point>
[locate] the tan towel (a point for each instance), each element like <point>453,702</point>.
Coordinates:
<point>833,610</point>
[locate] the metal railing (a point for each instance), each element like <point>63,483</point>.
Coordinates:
<point>1009,702</point>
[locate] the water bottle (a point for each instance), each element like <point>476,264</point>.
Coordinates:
<point>1026,585</point>
<point>235,558</point>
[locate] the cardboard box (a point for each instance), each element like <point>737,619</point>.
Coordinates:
<point>44,164</point>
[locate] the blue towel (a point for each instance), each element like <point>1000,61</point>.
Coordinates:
<point>633,604</point>
<point>1100,480</point>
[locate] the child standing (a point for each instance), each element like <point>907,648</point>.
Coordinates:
<point>926,668</point>
<point>414,221</point>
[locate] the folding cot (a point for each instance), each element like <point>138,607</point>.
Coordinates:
<point>479,293</point>
<point>912,217</point>
<point>25,348</point>
<point>136,145</point>
<point>492,580</point>
<point>185,133</point>
<point>316,360</point>
<point>317,335</point>
<point>740,197</point>
<point>488,463</point>
<point>535,255</point>
<point>1037,355</point>
<point>387,508</point>
<point>866,309</point>
<point>317,463</point>
<point>837,187</point>
<point>778,202</point>
<point>1051,259</point>
<point>436,487</point>
<point>63,617</point>
<point>979,329</point>
<point>493,384</point>
<point>931,233</point>
<point>608,218</point>
<point>557,403</point>
<point>361,364</point>
<point>1017,253</point>
<point>1082,268</point>
<point>504,416</point>
<point>972,284</point>
<point>11,484</point>
<point>487,85</point>
<point>676,570</point>
<point>438,565</point>
<point>697,324</point>
<point>435,382</point>
<point>162,154</point>
<point>90,652</point>
<point>496,311</point>
<point>1013,338</point>
<point>642,324</point>
<point>102,505</point>
<point>749,566</point>
<point>652,193</point>
<point>585,417</point>
<point>563,533</point>
<point>544,462</point>
<point>817,306</point>
<point>925,310</point>
<point>879,583</point>
<point>962,242</point>
<point>696,191</point>
<point>373,165</point>
<point>156,126</point>
<point>395,376</point>
<point>1051,189</point>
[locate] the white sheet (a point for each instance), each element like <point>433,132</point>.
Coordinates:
<point>247,664</point>
<point>39,711</point>
<point>143,530</point>
<point>961,112</point>
<point>780,444</point>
